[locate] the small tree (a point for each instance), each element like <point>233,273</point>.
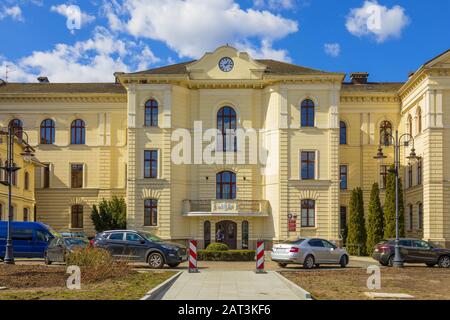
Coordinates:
<point>356,238</point>
<point>389,207</point>
<point>375,219</point>
<point>110,215</point>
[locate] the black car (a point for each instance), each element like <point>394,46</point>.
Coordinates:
<point>59,247</point>
<point>412,251</point>
<point>137,246</point>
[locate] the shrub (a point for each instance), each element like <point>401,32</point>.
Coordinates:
<point>217,247</point>
<point>389,207</point>
<point>110,215</point>
<point>230,255</point>
<point>356,238</point>
<point>97,264</point>
<point>374,219</point>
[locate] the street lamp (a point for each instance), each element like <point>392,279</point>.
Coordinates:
<point>397,143</point>
<point>10,168</point>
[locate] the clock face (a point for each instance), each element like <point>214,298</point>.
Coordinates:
<point>226,64</point>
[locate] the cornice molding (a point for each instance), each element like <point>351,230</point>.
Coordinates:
<point>370,99</point>
<point>64,99</point>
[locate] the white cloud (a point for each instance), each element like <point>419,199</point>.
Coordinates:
<point>265,51</point>
<point>332,49</point>
<point>93,60</point>
<point>192,27</point>
<point>72,12</point>
<point>14,13</point>
<point>275,4</point>
<point>377,20</point>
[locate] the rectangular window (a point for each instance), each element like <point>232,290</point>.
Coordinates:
<point>419,172</point>
<point>384,171</point>
<point>151,164</point>
<point>25,214</point>
<point>14,177</point>
<point>27,181</point>
<point>46,178</point>
<point>344,177</point>
<point>343,221</point>
<point>308,213</point>
<point>151,213</point>
<point>410,176</point>
<point>411,217</point>
<point>77,176</point>
<point>420,216</point>
<point>77,216</point>
<point>308,165</point>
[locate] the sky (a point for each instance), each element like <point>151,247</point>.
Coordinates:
<point>89,40</point>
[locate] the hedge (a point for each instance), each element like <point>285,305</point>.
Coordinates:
<point>217,246</point>
<point>231,255</point>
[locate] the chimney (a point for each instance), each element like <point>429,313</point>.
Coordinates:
<point>43,80</point>
<point>359,77</point>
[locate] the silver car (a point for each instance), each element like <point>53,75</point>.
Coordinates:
<point>309,252</point>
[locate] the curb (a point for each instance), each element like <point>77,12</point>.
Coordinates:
<point>299,291</point>
<point>159,291</point>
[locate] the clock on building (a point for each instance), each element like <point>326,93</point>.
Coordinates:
<point>226,64</point>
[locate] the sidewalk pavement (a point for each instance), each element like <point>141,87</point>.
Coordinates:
<point>231,285</point>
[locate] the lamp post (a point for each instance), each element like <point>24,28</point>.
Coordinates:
<point>10,168</point>
<point>397,143</point>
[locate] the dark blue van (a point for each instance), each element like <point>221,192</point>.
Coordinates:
<point>30,239</point>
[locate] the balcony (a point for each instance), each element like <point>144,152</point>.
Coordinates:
<point>238,208</point>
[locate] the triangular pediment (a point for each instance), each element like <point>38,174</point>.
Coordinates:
<point>243,66</point>
<point>441,61</point>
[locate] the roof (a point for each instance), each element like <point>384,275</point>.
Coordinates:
<point>372,86</point>
<point>273,67</point>
<point>55,88</point>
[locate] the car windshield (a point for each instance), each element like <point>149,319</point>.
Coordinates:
<point>150,237</point>
<point>76,241</point>
<point>298,241</point>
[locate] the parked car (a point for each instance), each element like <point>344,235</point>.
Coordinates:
<point>29,239</point>
<point>141,247</point>
<point>67,234</point>
<point>60,247</point>
<point>309,252</point>
<point>412,251</point>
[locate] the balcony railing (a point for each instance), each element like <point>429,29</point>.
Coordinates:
<point>226,207</point>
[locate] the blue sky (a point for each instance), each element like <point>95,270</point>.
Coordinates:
<point>387,38</point>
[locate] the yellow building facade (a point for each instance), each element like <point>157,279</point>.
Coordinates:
<point>234,148</point>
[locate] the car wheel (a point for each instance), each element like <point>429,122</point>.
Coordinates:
<point>282,265</point>
<point>444,262</point>
<point>384,264</point>
<point>390,262</point>
<point>47,261</point>
<point>309,262</point>
<point>344,262</point>
<point>155,260</point>
<point>173,265</point>
<point>430,265</point>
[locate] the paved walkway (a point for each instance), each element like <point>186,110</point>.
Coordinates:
<point>230,285</point>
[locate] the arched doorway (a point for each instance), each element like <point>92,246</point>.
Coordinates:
<point>228,230</point>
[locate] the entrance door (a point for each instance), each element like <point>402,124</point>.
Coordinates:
<point>227,231</point>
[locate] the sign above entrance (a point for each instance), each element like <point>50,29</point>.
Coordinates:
<point>224,206</point>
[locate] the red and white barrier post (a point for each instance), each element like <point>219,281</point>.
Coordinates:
<point>260,257</point>
<point>193,256</point>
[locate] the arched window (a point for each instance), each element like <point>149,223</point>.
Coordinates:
<point>410,125</point>
<point>386,133</point>
<point>77,216</point>
<point>227,124</point>
<point>245,232</point>
<point>17,126</point>
<point>226,185</point>
<point>78,132</point>
<point>342,132</point>
<point>48,131</point>
<point>151,113</point>
<point>308,113</point>
<point>207,234</point>
<point>419,120</point>
<point>151,213</point>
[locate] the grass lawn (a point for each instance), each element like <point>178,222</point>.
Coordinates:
<point>48,283</point>
<point>350,284</point>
